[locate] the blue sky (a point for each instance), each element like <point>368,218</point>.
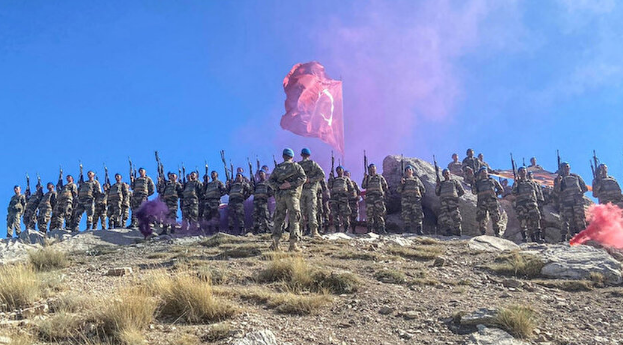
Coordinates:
<point>101,82</point>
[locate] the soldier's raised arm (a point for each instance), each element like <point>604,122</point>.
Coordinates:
<point>151,188</point>
<point>582,184</point>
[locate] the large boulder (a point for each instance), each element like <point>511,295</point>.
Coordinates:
<point>430,202</point>
<point>493,336</point>
<point>32,237</point>
<point>491,244</point>
<point>265,337</point>
<point>579,262</point>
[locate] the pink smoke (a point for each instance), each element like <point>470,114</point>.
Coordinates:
<point>606,227</point>
<point>151,211</point>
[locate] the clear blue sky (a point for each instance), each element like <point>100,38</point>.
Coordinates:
<point>101,82</point>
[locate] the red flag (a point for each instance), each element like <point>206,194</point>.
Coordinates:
<point>314,104</point>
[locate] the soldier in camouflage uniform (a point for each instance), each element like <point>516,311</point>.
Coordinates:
<point>309,197</point>
<point>487,189</point>
<point>191,194</point>
<point>170,192</point>
<point>101,205</point>
<point>238,190</point>
<point>87,192</point>
<point>455,167</point>
<point>64,203</point>
<point>287,181</point>
<point>32,201</point>
<point>261,193</point>
<point>118,196</point>
<point>449,191</point>
<point>470,166</point>
<point>606,188</point>
<point>142,188</point>
<point>341,189</point>
<point>570,189</point>
<point>376,187</point>
<point>411,190</point>
<point>324,211</point>
<point>45,207</point>
<point>14,212</point>
<point>212,193</point>
<point>353,202</point>
<point>526,194</point>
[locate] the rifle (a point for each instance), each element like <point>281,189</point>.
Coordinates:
<point>81,174</point>
<point>558,158</point>
<point>183,174</point>
<point>39,181</point>
<point>257,161</point>
<point>365,163</point>
<point>27,185</point>
<point>60,174</point>
<point>132,176</point>
<point>231,166</point>
<point>596,161</point>
<point>524,161</point>
<point>592,169</point>
<point>436,169</point>
<point>251,177</point>
<point>206,177</point>
<point>225,165</point>
<point>514,168</point>
<point>274,161</point>
<point>160,167</point>
<point>106,177</point>
<point>402,165</point>
<point>332,164</point>
<point>179,173</point>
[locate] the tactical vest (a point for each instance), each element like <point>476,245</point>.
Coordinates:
<point>87,189</point>
<point>116,191</point>
<point>448,189</point>
<point>570,185</point>
<point>170,190</point>
<point>101,199</point>
<point>455,168</point>
<point>339,185</point>
<point>261,190</point>
<point>525,191</point>
<point>375,184</point>
<point>472,163</point>
<point>15,205</point>
<point>237,191</point>
<point>141,185</point>
<point>308,166</point>
<point>46,200</point>
<point>609,184</point>
<point>411,187</point>
<point>486,187</point>
<point>67,193</point>
<point>213,190</point>
<point>190,192</point>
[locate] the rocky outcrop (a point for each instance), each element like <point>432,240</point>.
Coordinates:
<point>493,336</point>
<point>580,262</point>
<point>264,337</point>
<point>491,244</point>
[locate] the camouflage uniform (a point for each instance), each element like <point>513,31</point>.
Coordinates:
<point>456,168</point>
<point>353,203</point>
<point>101,202</point>
<point>212,194</point>
<point>376,187</point>
<point>487,190</point>
<point>309,198</point>
<point>571,198</point>
<point>125,208</point>
<point>46,205</point>
<point>527,208</point>
<point>449,220</point>
<point>324,211</point>
<point>30,214</point>
<point>607,190</point>
<point>14,214</point>
<point>64,205</point>
<point>170,192</point>
<point>238,192</point>
<point>190,205</point>
<point>142,188</point>
<point>474,166</point>
<point>411,190</point>
<point>118,195</point>
<point>87,191</point>
<point>287,201</point>
<point>261,216</point>
<point>341,189</point>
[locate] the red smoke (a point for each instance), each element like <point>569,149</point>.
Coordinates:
<point>606,227</point>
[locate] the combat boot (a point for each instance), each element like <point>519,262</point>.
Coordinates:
<point>294,247</point>
<point>408,230</point>
<point>382,231</point>
<point>524,239</point>
<point>314,232</point>
<point>418,230</point>
<point>275,245</point>
<point>533,238</point>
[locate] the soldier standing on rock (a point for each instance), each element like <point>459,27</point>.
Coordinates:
<point>411,190</point>
<point>101,206</point>
<point>487,189</point>
<point>87,191</point>
<point>470,166</point>
<point>46,205</point>
<point>455,167</point>
<point>341,190</point>
<point>570,189</point>
<point>353,202</point>
<point>212,193</point>
<point>238,190</point>
<point>606,188</point>
<point>309,199</point>
<point>32,201</point>
<point>449,191</point>
<point>142,188</point>
<point>526,206</point>
<point>261,193</point>
<point>118,196</point>
<point>170,191</point>
<point>64,203</point>
<point>14,212</point>
<point>376,187</point>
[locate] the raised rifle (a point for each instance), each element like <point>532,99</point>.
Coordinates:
<point>524,161</point>
<point>596,161</point>
<point>593,169</point>
<point>402,165</point>
<point>231,166</point>
<point>160,167</point>
<point>257,162</point>
<point>179,173</point>
<point>27,185</point>
<point>39,181</point>
<point>227,178</point>
<point>132,176</point>
<point>81,174</point>
<point>514,168</point>
<point>559,162</point>
<point>106,177</point>
<point>332,164</point>
<point>183,174</point>
<point>206,176</point>
<point>251,177</point>
<point>365,163</point>
<point>436,169</point>
<point>274,161</point>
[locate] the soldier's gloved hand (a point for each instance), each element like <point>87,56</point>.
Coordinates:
<point>285,185</point>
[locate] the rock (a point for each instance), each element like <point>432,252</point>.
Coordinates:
<point>491,244</point>
<point>62,235</point>
<point>579,262</point>
<point>264,337</point>
<point>337,236</point>
<point>32,236</point>
<point>482,316</point>
<point>5,340</point>
<point>492,336</point>
<point>34,311</point>
<point>410,315</point>
<point>386,310</point>
<point>439,261</point>
<point>119,271</point>
<point>511,283</point>
<point>404,334</point>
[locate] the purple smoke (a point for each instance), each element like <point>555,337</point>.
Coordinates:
<point>151,211</point>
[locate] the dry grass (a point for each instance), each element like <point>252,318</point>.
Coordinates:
<point>60,326</point>
<point>427,241</point>
<point>242,251</point>
<point>287,302</point>
<point>217,332</point>
<point>424,252</point>
<point>567,285</point>
<point>188,298</point>
<point>212,275</point>
<point>70,303</point>
<point>20,338</point>
<point>160,255</point>
<point>357,255</point>
<point>517,264</point>
<point>19,286</point>
<point>389,276</point>
<point>123,316</point>
<point>517,320</point>
<point>47,259</point>
<point>220,239</point>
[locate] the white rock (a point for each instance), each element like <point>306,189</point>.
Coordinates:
<point>264,337</point>
<point>492,336</point>
<point>578,262</point>
<point>491,244</point>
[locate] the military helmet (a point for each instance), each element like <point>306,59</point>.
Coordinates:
<point>339,167</point>
<point>445,171</point>
<point>371,165</point>
<point>601,166</point>
<point>521,168</point>
<point>288,152</point>
<point>410,167</point>
<point>482,169</point>
<point>305,151</point>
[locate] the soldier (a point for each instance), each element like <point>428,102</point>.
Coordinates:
<point>191,194</point>
<point>606,188</point>
<point>324,211</point>
<point>261,193</point>
<point>353,202</point>
<point>238,190</point>
<point>118,196</point>
<point>526,206</point>
<point>470,166</point>
<point>32,201</point>
<point>481,161</point>
<point>46,205</point>
<point>411,190</point>
<point>455,167</point>
<point>570,189</point>
<point>125,208</point>
<point>309,198</point>
<point>341,190</point>
<point>142,188</point>
<point>101,205</point>
<point>376,187</point>
<point>14,213</point>
<point>64,203</point>
<point>87,191</point>
<point>170,191</point>
<point>212,193</point>
<point>449,191</point>
<point>533,165</point>
<point>487,189</point>
<point>240,170</point>
<point>287,181</point>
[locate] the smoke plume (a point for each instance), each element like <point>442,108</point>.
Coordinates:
<point>606,227</point>
<point>150,212</point>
